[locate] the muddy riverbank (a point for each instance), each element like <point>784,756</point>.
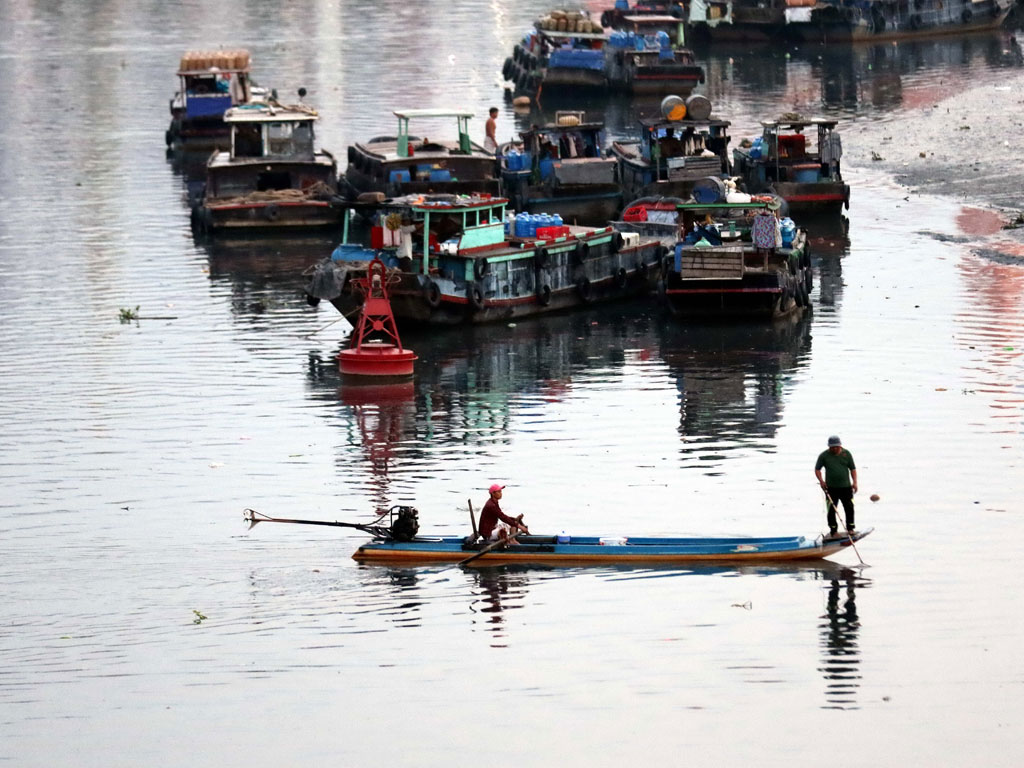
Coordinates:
<point>963,146</point>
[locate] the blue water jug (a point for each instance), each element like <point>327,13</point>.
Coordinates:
<point>545,221</point>
<point>523,224</point>
<point>534,223</point>
<point>662,38</point>
<point>755,148</point>
<point>512,160</point>
<point>556,221</point>
<point>788,227</point>
<point>622,5</point>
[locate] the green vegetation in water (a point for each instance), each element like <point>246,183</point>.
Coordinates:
<point>128,314</point>
<point>199,618</point>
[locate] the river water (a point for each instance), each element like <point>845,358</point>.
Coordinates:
<point>143,625</point>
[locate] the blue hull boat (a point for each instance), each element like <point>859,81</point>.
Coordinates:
<point>585,550</point>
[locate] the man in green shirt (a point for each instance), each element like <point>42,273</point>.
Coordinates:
<point>839,470</point>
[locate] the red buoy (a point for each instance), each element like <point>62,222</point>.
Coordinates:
<point>380,358</point>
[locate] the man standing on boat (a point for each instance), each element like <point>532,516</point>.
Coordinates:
<point>840,469</point>
<point>491,131</point>
<point>495,524</point>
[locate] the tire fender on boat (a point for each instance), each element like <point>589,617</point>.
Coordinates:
<point>544,295</point>
<point>432,293</point>
<point>506,68</point>
<point>481,268</point>
<point>642,269</point>
<point>475,295</point>
<point>272,212</point>
<point>621,278</point>
<point>540,258</point>
<point>581,252</point>
<point>583,288</point>
<point>967,16</point>
<point>617,242</point>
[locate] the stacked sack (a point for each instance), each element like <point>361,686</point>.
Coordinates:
<point>569,21</point>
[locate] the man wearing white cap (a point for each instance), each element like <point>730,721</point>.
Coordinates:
<point>839,470</point>
<point>495,524</point>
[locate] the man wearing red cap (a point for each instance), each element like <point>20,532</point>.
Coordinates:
<point>495,524</point>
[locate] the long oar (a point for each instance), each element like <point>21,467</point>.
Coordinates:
<point>252,517</point>
<point>490,546</point>
<point>845,526</point>
<point>472,518</point>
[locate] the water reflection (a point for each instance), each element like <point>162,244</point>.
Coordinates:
<point>497,590</point>
<point>263,272</point>
<point>731,380</point>
<point>840,630</point>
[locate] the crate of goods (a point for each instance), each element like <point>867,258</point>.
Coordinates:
<point>722,262</point>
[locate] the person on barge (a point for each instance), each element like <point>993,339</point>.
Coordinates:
<point>840,470</point>
<point>495,525</point>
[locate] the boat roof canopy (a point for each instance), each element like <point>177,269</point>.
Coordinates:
<point>798,124</point>
<point>661,122</point>
<point>269,113</point>
<point>407,114</point>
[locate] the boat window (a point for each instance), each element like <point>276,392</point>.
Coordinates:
<point>269,180</point>
<point>290,139</point>
<point>248,142</point>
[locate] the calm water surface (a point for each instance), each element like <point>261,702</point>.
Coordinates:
<point>143,625</point>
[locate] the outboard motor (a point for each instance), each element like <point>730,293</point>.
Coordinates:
<point>406,524</point>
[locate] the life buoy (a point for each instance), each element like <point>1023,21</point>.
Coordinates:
<point>621,278</point>
<point>540,258</point>
<point>581,252</point>
<point>583,288</point>
<point>544,295</point>
<point>476,296</point>
<point>272,212</point>
<point>481,268</point>
<point>432,293</point>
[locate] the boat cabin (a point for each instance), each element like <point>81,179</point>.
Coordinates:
<point>211,83</point>
<point>272,148</point>
<point>570,148</point>
<point>800,150</point>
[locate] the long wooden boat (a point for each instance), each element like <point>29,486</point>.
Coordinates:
<point>586,550</point>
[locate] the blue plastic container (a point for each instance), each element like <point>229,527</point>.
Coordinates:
<point>523,224</point>
<point>547,165</point>
<point>621,5</point>
<point>534,223</point>
<point>805,175</point>
<point>756,148</point>
<point>556,221</point>
<point>440,174</point>
<point>788,227</point>
<point>397,177</point>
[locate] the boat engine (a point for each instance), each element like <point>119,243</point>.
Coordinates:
<point>405,524</point>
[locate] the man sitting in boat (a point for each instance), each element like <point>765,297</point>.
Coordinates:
<point>495,525</point>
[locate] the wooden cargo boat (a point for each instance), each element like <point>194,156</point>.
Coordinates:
<point>272,177</point>
<point>594,550</point>
<point>567,52</point>
<point>734,278</point>
<point>831,21</point>
<point>797,159</point>
<point>673,152</point>
<point>451,262</point>
<point>210,83</point>
<point>564,168</point>
<point>405,164</point>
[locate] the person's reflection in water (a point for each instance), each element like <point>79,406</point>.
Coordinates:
<point>839,634</point>
<point>501,589</point>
